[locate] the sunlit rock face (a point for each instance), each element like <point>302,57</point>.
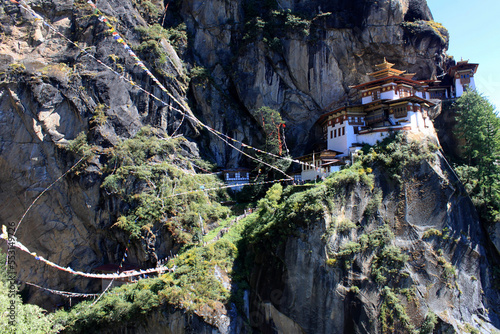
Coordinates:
<point>51,94</point>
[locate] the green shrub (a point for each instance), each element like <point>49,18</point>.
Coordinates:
<point>373,204</point>
<point>158,191</point>
<point>449,270</point>
<point>100,117</point>
<point>429,323</point>
<point>345,224</point>
<point>192,286</point>
<point>339,181</point>
<point>393,314</point>
<point>431,233</point>
<point>471,329</point>
<point>397,155</point>
<point>80,146</point>
<point>29,319</point>
<point>151,37</point>
<point>377,238</point>
<point>387,265</point>
<point>420,26</point>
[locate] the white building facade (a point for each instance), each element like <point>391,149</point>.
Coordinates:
<point>236,178</point>
<point>391,102</point>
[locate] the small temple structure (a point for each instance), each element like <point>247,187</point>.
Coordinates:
<point>392,101</point>
<point>236,178</point>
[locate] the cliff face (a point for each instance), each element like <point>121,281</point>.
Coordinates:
<point>299,63</point>
<point>298,60</point>
<point>332,276</point>
<point>50,92</point>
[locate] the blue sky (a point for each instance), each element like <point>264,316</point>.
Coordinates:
<point>474,28</point>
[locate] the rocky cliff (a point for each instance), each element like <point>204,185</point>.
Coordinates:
<point>378,258</point>
<point>298,57</point>
<point>225,60</point>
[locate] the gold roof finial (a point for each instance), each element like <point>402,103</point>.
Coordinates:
<point>385,69</point>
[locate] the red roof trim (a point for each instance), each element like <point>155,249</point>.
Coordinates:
<point>415,82</point>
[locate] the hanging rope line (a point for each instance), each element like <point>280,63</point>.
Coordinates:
<point>131,273</point>
<point>202,189</point>
<point>66,294</point>
<point>185,112</point>
<point>45,190</point>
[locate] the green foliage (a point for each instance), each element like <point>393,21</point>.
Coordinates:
<point>344,224</point>
<point>271,123</point>
<point>292,21</point>
<point>398,155</point>
<point>151,37</point>
<point>388,264</point>
<point>148,9</point>
<point>373,204</point>
<point>377,238</point>
<point>200,74</point>
<point>100,117</point>
<point>30,319</point>
<point>59,71</point>
<point>338,182</point>
<point>449,270</point>
<point>421,26</point>
<point>393,317</point>
<point>142,175</point>
<point>193,286</point>
<point>478,127</point>
<point>125,303</point>
<point>354,289</point>
<point>349,249</point>
<point>270,202</point>
<point>471,329</point>
<point>429,323</point>
<point>431,233</point>
<point>377,242</point>
<point>80,146</point>
<point>16,68</point>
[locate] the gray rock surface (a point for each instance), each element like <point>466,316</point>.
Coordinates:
<point>49,92</point>
<point>296,288</point>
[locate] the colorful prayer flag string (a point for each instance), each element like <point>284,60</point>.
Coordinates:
<point>66,294</point>
<point>13,242</point>
<point>182,105</point>
<point>202,188</point>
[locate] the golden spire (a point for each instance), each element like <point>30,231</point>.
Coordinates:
<point>385,70</point>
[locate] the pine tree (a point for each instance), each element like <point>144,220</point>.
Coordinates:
<point>478,127</point>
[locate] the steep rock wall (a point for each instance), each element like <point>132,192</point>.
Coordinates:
<point>49,93</point>
<point>295,73</point>
<point>52,91</point>
<point>295,287</point>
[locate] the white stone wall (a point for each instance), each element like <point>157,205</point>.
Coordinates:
<point>371,138</point>
<point>312,174</point>
<point>367,99</point>
<point>339,143</point>
<point>459,89</point>
<point>334,169</point>
<point>389,95</point>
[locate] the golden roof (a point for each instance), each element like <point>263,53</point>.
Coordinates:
<point>385,70</point>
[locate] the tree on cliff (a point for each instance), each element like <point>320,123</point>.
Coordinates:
<point>272,126</point>
<point>478,127</point>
